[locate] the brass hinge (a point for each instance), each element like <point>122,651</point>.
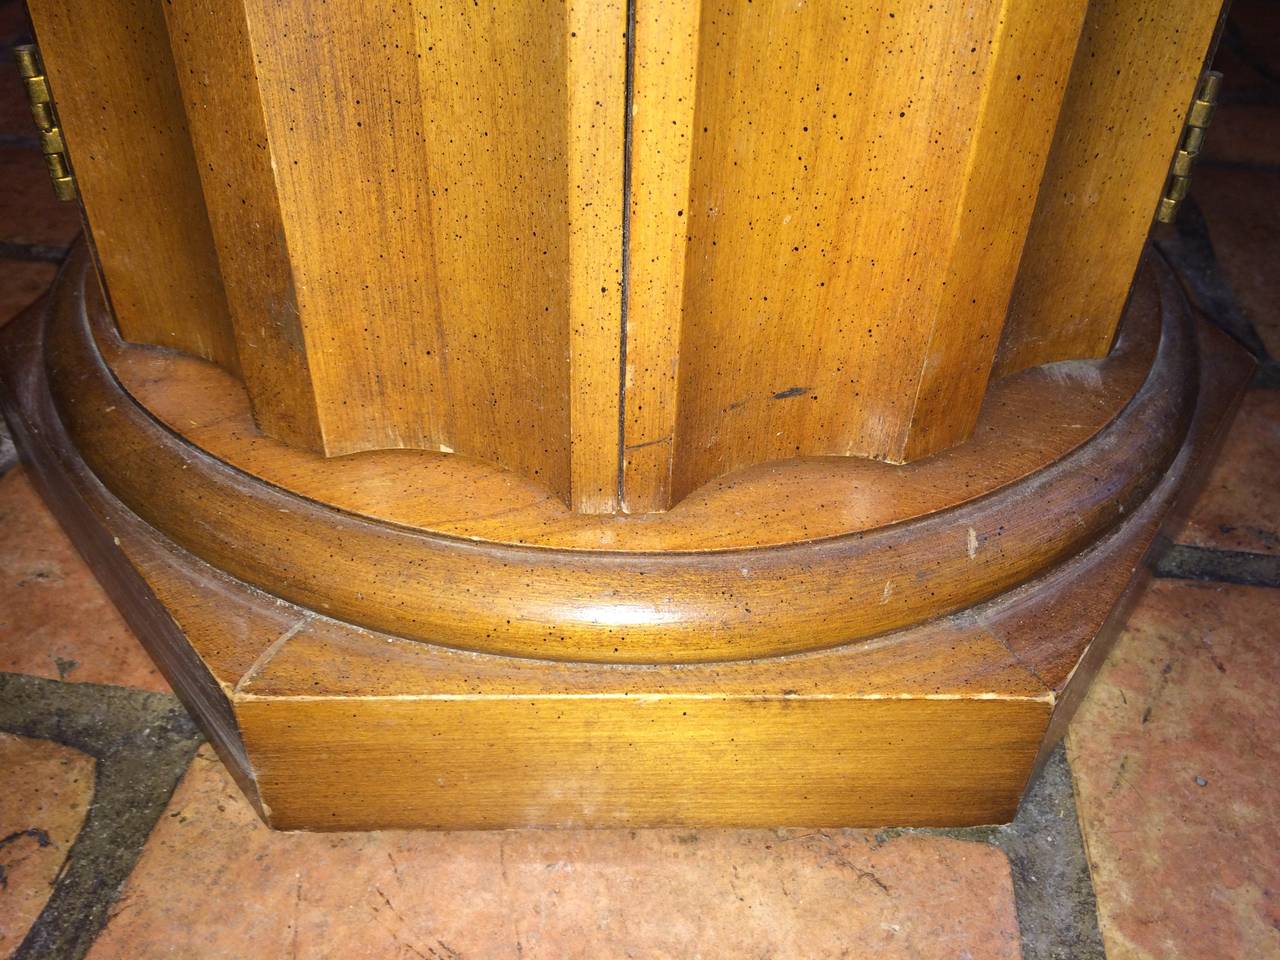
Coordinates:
<point>1198,118</point>
<point>46,117</point>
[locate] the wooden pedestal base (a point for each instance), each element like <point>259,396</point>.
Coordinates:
<point>358,668</point>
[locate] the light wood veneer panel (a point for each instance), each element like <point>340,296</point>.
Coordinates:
<point>122,119</point>
<point>217,74</point>
<point>1136,70</point>
<point>420,210</point>
<point>662,116</point>
<point>597,66</point>
<point>861,177</point>
<point>616,762</point>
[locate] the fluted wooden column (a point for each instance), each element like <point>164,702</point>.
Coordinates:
<point>561,397</point>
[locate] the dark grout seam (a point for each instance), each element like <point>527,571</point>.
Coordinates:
<point>8,452</point>
<point>1267,376</point>
<point>1188,248</point>
<point>32,252</point>
<point>1052,891</point>
<point>1184,562</point>
<point>142,743</point>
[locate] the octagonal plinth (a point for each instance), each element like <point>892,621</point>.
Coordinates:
<point>467,652</point>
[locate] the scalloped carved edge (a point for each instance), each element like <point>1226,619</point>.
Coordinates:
<point>617,607</point>
<point>328,725</point>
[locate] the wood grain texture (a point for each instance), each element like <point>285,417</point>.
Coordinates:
<point>1135,72</point>
<point>1024,86</point>
<point>1029,421</point>
<point>662,135</point>
<point>854,215</point>
<point>121,113</point>
<point>217,75</point>
<point>596,81</point>
<point>637,607</point>
<point>576,762</point>
<point>821,247</point>
<point>341,728</point>
<point>425,254</point>
<point>526,236</point>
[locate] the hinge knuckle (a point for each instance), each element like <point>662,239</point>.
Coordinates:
<point>1199,116</point>
<point>43,111</point>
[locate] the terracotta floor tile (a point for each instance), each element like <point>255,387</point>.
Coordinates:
<point>29,212</point>
<point>55,621</point>
<point>21,282</point>
<point>1242,208</point>
<point>1238,508</point>
<point>1176,762</point>
<point>213,883</point>
<point>46,792</point>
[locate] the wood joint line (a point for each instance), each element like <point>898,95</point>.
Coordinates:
<point>268,654</point>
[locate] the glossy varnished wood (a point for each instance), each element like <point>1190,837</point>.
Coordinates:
<point>1028,421</point>
<point>122,119</point>
<point>1136,70</point>
<point>421,254</point>
<point>857,201</point>
<point>619,606</point>
<point>331,726</point>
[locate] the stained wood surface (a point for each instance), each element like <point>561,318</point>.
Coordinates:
<point>634,607</point>
<point>664,94</point>
<point>577,762</point>
<point>596,83</point>
<point>425,254</point>
<point>1136,70</point>
<point>342,728</point>
<point>820,240</point>
<point>121,114</point>
<point>216,72</point>
<point>858,196</point>
<point>1029,421</point>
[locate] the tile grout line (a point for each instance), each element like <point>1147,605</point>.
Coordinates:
<point>142,743</point>
<point>1054,899</point>
<point>1182,561</point>
<point>32,252</point>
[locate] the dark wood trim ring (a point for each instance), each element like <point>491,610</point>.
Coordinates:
<point>330,725</point>
<point>605,606</point>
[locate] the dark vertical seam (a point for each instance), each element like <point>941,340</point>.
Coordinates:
<point>625,280</point>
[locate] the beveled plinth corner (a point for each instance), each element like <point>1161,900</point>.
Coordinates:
<point>713,666</point>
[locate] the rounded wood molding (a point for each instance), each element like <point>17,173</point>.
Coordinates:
<point>648,605</point>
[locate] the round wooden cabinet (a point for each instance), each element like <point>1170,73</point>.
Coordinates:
<point>574,412</point>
